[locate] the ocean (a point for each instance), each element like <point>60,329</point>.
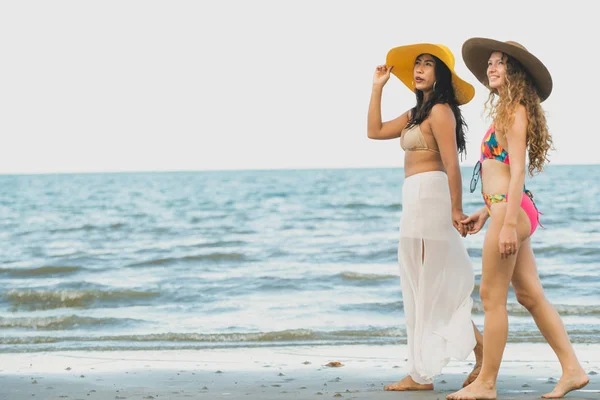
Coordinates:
<point>191,260</point>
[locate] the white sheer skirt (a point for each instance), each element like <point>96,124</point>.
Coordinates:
<point>436,277</point>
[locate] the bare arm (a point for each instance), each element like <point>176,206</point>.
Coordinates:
<point>383,130</point>
<point>517,145</point>
<point>376,129</point>
<point>443,126</point>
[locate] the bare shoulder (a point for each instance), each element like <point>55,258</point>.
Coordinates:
<point>441,116</point>
<point>520,112</point>
<point>519,127</point>
<point>441,111</point>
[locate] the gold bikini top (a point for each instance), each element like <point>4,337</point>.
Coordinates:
<point>412,140</point>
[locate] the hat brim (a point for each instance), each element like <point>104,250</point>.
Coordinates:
<point>476,52</point>
<point>403,60</point>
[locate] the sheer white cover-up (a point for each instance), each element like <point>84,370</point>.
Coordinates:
<point>436,277</point>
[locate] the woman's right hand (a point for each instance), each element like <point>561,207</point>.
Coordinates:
<point>476,221</point>
<point>381,75</point>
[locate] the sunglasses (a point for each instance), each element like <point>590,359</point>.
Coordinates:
<point>476,175</point>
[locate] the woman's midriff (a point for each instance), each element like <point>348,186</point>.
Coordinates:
<point>495,177</point>
<point>416,162</point>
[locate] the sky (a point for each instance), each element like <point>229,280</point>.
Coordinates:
<point>119,86</point>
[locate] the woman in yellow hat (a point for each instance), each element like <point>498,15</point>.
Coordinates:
<point>518,83</point>
<point>436,273</point>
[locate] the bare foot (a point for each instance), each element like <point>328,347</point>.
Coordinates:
<point>478,361</point>
<point>568,382</point>
<point>475,391</point>
<point>408,384</point>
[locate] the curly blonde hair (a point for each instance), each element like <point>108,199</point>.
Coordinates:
<point>518,88</point>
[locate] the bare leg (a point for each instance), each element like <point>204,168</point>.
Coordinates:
<point>530,294</point>
<point>478,350</point>
<point>495,279</point>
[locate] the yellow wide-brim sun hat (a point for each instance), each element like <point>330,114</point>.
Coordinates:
<point>403,60</point>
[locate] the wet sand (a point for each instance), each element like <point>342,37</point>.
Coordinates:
<point>528,371</point>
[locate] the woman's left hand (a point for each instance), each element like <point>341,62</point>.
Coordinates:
<point>508,241</point>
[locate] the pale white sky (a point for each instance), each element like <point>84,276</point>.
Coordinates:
<point>98,86</point>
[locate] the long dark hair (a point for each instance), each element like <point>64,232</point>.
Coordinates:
<point>443,94</point>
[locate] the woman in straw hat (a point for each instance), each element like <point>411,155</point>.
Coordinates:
<point>518,83</point>
<point>436,273</point>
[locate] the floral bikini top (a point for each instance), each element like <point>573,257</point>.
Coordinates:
<point>491,149</point>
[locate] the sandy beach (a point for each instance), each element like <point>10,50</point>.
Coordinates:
<point>267,373</point>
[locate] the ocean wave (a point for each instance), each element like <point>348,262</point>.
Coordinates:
<point>40,271</point>
<point>217,244</point>
<point>360,255</point>
<point>357,276</point>
<point>564,278</point>
<point>297,337</point>
<point>30,299</point>
<point>203,219</point>
<point>266,284</point>
<point>395,306</point>
<point>363,206</point>
<point>215,257</point>
<point>261,284</point>
<point>557,250</point>
<point>547,285</point>
<point>89,227</point>
<point>292,335</point>
<point>62,322</point>
<point>563,309</point>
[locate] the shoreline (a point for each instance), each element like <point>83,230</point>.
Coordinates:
<point>298,372</point>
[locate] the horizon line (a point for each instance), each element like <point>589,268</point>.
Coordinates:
<point>257,169</point>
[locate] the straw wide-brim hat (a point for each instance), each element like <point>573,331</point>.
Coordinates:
<point>476,52</point>
<point>403,60</point>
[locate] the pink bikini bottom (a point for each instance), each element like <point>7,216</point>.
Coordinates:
<point>527,204</point>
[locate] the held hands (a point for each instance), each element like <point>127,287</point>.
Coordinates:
<point>508,243</point>
<point>457,217</point>
<point>475,221</point>
<point>381,75</point>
